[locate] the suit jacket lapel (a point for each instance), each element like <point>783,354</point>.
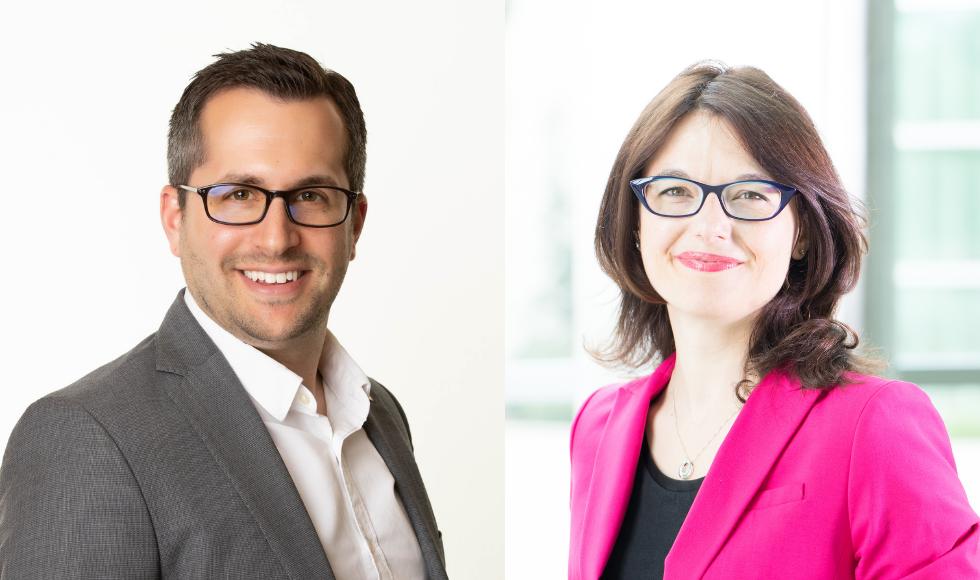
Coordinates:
<point>381,428</point>
<point>767,422</point>
<point>615,468</point>
<point>219,409</point>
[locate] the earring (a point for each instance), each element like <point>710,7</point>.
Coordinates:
<point>636,235</point>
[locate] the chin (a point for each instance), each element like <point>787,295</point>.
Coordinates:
<point>720,306</point>
<point>279,326</point>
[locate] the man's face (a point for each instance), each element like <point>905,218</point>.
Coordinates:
<point>252,139</point>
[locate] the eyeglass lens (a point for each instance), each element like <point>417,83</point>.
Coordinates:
<point>679,197</point>
<point>314,206</point>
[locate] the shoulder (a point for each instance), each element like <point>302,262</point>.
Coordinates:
<point>889,413</point>
<point>69,500</point>
<point>892,430</point>
<point>881,402</point>
<point>115,380</point>
<point>122,391</point>
<point>904,498</point>
<point>594,413</point>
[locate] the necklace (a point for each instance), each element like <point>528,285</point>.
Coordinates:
<point>687,468</point>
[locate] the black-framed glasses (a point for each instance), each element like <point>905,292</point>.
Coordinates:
<point>315,206</point>
<point>752,201</point>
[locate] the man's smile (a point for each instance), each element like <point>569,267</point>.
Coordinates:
<point>273,277</point>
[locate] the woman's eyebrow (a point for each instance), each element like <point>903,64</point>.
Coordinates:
<point>753,177</point>
<point>743,177</point>
<point>674,173</point>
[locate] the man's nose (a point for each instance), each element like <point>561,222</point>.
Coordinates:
<point>276,233</point>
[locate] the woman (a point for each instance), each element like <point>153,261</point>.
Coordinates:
<point>756,449</point>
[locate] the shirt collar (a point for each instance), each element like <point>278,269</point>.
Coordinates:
<point>273,386</point>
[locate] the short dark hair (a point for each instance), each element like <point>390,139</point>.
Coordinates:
<point>281,73</point>
<point>796,330</point>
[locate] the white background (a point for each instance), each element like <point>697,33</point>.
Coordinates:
<point>86,94</point>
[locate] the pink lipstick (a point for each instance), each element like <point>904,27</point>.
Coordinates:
<point>703,262</point>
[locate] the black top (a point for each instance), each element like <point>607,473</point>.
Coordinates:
<point>657,508</point>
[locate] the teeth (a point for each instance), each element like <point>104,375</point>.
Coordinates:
<point>270,278</point>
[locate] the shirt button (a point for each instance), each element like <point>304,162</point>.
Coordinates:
<point>304,398</point>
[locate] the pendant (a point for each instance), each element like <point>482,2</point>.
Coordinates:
<point>687,468</point>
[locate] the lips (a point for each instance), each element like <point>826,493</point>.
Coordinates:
<point>704,262</point>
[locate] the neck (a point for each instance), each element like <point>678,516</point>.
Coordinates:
<point>710,360</point>
<point>300,355</point>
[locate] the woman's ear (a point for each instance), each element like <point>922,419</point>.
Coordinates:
<point>802,243</point>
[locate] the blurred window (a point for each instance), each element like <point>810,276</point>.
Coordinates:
<point>924,266</point>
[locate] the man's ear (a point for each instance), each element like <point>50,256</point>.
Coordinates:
<point>170,216</point>
<point>360,212</point>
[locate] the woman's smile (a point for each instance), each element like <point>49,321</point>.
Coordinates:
<point>704,262</point>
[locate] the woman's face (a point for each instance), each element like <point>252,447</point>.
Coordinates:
<point>709,265</point>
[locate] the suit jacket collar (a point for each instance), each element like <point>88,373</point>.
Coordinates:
<point>767,422</point>
<point>382,429</point>
<point>219,409</point>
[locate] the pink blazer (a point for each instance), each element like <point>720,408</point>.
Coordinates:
<point>856,482</point>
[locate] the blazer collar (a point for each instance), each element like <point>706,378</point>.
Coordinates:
<point>218,408</point>
<point>767,422</point>
<point>615,468</point>
<point>762,430</point>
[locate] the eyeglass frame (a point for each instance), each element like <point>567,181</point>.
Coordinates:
<point>270,195</point>
<point>786,194</point>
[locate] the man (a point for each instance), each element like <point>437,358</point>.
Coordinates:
<point>240,440</point>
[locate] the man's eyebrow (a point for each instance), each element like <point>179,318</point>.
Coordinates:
<point>317,180</point>
<point>249,179</point>
<point>242,178</point>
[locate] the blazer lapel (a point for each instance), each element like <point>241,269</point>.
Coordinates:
<point>381,428</point>
<point>767,422</point>
<point>219,409</point>
<point>615,468</point>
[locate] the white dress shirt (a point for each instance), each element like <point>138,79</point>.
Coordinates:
<point>345,485</point>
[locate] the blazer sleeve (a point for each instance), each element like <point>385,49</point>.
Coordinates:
<point>70,506</point>
<point>909,514</point>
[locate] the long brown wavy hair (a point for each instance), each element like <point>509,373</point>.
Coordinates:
<point>796,330</point>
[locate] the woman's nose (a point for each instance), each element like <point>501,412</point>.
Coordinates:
<point>711,222</point>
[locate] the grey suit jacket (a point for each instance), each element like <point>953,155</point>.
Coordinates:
<point>157,465</point>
